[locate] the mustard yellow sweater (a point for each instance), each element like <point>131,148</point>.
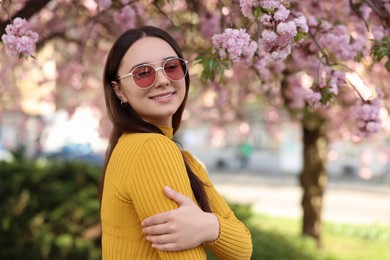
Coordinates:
<point>140,166</point>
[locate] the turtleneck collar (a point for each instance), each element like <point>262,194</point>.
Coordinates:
<point>167,130</point>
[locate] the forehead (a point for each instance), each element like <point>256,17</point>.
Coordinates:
<point>147,49</point>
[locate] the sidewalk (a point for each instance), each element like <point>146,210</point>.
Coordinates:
<point>345,201</point>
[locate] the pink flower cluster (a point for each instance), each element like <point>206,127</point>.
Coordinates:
<point>313,98</point>
<point>337,40</point>
<point>329,84</point>
<point>279,34</point>
<point>247,7</point>
<point>18,39</point>
<point>366,114</point>
<point>126,17</point>
<point>235,45</point>
<point>267,71</point>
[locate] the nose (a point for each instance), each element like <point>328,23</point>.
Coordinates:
<point>162,79</point>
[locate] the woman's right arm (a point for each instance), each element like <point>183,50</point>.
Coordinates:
<point>159,163</point>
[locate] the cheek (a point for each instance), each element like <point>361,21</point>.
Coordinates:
<point>134,98</point>
<point>137,106</point>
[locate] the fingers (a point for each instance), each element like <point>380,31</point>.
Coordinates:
<point>159,229</point>
<point>157,219</point>
<point>164,242</point>
<point>168,247</point>
<point>176,196</point>
<point>160,239</point>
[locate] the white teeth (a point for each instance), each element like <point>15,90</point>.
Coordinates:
<point>163,97</point>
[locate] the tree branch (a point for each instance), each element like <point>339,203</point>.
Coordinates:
<point>61,35</point>
<point>30,8</point>
<point>379,8</point>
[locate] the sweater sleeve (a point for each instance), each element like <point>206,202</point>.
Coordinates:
<point>234,241</point>
<point>160,163</point>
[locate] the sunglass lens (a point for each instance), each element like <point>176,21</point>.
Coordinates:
<point>144,76</point>
<point>175,69</point>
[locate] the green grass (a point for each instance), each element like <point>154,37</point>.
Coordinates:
<point>342,241</point>
<point>278,238</point>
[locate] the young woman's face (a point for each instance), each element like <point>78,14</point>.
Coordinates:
<point>158,103</point>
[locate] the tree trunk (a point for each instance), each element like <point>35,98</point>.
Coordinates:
<point>313,180</point>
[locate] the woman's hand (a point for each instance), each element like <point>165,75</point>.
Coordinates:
<point>183,228</point>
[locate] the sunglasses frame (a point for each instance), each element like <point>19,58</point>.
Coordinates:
<point>156,70</point>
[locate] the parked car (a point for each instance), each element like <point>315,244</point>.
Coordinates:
<point>75,152</point>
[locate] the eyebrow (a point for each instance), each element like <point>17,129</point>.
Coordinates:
<point>147,63</point>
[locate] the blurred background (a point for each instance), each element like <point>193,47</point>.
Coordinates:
<point>308,183</point>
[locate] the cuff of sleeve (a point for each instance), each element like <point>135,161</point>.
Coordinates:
<point>231,240</point>
<point>219,232</point>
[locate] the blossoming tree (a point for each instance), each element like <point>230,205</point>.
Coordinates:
<point>324,62</point>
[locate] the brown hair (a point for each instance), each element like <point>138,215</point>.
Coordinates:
<point>125,119</point>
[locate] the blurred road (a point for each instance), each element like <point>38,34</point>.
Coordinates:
<point>345,201</point>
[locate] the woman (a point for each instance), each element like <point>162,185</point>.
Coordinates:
<point>156,201</point>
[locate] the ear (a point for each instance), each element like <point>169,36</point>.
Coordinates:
<point>118,90</point>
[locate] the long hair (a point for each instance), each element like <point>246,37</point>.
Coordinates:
<point>125,119</point>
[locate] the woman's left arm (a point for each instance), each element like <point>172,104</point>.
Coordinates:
<point>233,240</point>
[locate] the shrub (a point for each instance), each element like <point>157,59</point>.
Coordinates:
<point>45,208</point>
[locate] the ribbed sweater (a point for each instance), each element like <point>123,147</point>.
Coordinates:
<point>140,166</point>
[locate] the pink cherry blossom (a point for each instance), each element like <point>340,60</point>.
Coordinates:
<point>278,36</point>
<point>232,44</point>
<point>247,7</point>
<point>366,114</point>
<point>249,51</point>
<point>281,14</point>
<point>301,24</point>
<point>270,4</point>
<point>266,20</point>
<point>313,98</point>
<point>19,40</point>
<point>125,18</point>
<point>288,28</point>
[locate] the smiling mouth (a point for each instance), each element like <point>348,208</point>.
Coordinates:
<point>163,96</point>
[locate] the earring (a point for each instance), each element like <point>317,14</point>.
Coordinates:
<point>123,103</point>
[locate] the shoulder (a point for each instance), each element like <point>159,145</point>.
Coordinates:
<point>139,140</point>
<point>146,144</point>
<point>139,137</point>
<point>129,146</point>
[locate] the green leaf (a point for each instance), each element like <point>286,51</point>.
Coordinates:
<point>359,56</point>
<point>387,65</point>
<point>257,12</point>
<point>211,64</point>
<point>300,36</point>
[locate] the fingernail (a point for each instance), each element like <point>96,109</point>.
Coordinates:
<point>148,238</point>
<point>168,189</point>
